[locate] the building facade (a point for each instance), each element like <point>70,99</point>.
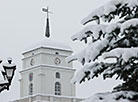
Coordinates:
<point>45,76</point>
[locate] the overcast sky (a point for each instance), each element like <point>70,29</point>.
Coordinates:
<point>22,23</point>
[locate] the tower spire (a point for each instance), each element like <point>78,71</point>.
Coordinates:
<point>47,31</point>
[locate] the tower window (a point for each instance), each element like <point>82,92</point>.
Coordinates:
<point>57,88</point>
<point>30,77</point>
<point>57,75</point>
<point>30,89</point>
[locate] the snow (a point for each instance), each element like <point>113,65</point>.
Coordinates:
<point>109,7</point>
<point>124,53</point>
<point>9,65</point>
<point>129,23</point>
<point>3,81</point>
<point>92,67</point>
<point>47,43</point>
<point>89,53</point>
<point>94,48</point>
<point>111,97</point>
<point>93,31</point>
<point>112,27</point>
<point>109,40</point>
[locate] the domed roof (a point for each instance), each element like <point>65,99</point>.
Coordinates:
<point>47,43</point>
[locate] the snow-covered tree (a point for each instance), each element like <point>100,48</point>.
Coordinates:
<point>113,36</point>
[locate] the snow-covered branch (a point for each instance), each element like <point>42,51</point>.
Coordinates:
<point>92,30</point>
<point>96,32</point>
<point>117,40</point>
<point>89,71</point>
<point>128,24</point>
<point>122,96</point>
<point>124,53</point>
<point>113,8</point>
<point>90,53</point>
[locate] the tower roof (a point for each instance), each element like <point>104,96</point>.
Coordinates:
<point>47,43</point>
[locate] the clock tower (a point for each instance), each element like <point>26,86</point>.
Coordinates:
<point>45,70</point>
<point>45,76</point>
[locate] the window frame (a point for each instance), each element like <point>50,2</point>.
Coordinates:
<point>31,89</point>
<point>57,75</point>
<point>57,88</point>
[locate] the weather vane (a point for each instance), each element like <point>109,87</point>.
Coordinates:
<point>47,31</point>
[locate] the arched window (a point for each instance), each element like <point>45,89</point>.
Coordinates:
<point>30,89</point>
<point>57,75</point>
<point>57,88</point>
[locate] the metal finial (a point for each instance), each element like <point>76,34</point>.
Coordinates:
<point>47,32</point>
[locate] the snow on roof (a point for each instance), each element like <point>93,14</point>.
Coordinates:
<point>47,43</point>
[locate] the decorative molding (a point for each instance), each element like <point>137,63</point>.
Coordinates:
<point>48,53</point>
<point>46,65</point>
<point>46,48</point>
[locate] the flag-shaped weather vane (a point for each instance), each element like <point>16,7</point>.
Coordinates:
<point>47,31</point>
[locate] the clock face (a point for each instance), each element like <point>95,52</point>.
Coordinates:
<point>57,61</point>
<point>32,62</point>
<point>30,77</point>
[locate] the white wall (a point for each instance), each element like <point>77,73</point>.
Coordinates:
<point>46,56</point>
<point>44,71</point>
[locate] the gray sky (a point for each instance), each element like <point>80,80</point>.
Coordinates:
<point>22,23</point>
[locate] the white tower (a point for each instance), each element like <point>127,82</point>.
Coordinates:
<point>45,70</point>
<point>45,76</point>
